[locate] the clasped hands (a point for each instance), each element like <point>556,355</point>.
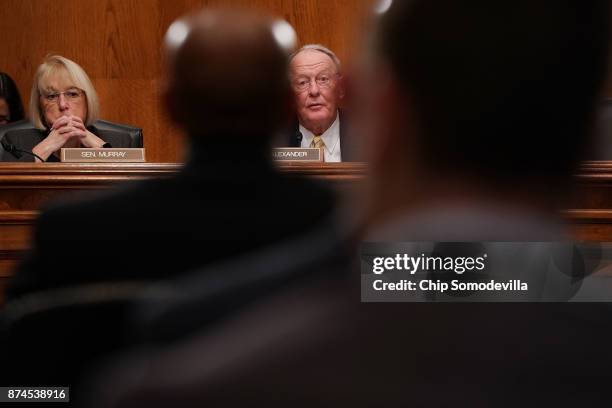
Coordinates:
<point>67,131</point>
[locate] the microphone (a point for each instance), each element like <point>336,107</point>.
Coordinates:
<point>298,137</point>
<point>18,152</point>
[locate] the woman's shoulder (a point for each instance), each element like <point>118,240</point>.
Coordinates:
<point>117,134</point>
<point>17,139</point>
<point>22,134</point>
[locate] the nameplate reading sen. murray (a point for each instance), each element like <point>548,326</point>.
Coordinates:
<point>109,155</point>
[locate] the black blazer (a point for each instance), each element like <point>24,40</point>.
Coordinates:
<point>27,138</point>
<point>602,146</point>
<point>346,149</point>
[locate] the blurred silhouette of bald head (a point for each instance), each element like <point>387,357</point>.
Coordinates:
<point>506,88</point>
<point>478,100</point>
<point>227,73</point>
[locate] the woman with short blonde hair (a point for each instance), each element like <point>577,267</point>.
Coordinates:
<point>55,66</point>
<point>63,109</point>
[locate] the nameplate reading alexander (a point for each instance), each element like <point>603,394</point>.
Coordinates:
<point>109,155</point>
<point>301,154</point>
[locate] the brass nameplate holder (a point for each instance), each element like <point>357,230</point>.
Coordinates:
<point>110,155</point>
<point>300,154</point>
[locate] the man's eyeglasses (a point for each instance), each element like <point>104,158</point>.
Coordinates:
<point>70,95</point>
<point>323,80</point>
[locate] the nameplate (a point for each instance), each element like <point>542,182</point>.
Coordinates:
<point>110,155</point>
<point>301,154</point>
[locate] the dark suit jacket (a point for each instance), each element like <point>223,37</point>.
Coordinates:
<point>315,341</point>
<point>347,150</point>
<point>602,147</point>
<point>160,228</point>
<point>27,139</point>
<point>154,230</point>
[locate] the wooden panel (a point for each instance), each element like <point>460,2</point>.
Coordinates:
<point>333,23</point>
<point>24,188</point>
<point>118,43</point>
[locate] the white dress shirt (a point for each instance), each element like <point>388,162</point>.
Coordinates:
<point>331,137</point>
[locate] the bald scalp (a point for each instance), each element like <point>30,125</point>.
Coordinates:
<point>228,74</point>
<point>297,60</point>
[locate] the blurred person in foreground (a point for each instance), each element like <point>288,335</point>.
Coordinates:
<point>317,83</point>
<point>11,107</point>
<point>478,113</point>
<point>63,109</point>
<point>228,199</point>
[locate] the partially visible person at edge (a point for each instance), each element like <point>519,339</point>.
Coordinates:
<point>11,107</point>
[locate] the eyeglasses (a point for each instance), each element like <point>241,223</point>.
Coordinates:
<point>324,80</point>
<point>70,95</point>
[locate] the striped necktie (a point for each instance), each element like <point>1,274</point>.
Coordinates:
<point>318,143</point>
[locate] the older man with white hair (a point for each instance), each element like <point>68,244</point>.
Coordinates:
<point>316,81</point>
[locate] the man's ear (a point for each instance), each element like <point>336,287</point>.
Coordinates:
<point>171,104</point>
<point>385,100</point>
<point>396,121</point>
<point>288,109</point>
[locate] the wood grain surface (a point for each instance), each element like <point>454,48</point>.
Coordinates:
<point>26,187</point>
<point>118,43</point>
